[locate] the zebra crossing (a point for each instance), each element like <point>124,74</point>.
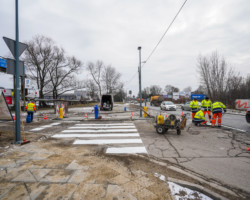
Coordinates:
<point>120,138</point>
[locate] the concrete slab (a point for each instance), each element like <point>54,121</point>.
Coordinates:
<point>57,176</point>
<point>26,176</point>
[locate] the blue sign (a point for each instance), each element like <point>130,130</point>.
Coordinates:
<point>198,96</point>
<point>3,63</point>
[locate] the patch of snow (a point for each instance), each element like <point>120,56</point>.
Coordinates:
<point>182,193</point>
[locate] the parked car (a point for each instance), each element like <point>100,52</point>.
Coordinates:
<point>186,106</point>
<point>167,105</point>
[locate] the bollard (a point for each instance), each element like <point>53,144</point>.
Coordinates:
<point>145,109</point>
<point>96,111</point>
<point>125,109</point>
<point>61,113</point>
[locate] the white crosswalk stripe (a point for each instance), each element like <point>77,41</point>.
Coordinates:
<point>119,138</point>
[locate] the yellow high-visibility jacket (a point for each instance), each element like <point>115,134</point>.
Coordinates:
<point>31,107</point>
<point>194,105</point>
<point>199,115</point>
<point>206,104</point>
<point>217,107</point>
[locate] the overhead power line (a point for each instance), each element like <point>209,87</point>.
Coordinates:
<point>159,40</point>
<point>165,32</point>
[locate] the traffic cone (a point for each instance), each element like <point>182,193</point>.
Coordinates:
<point>86,116</point>
<point>248,148</point>
<point>45,116</point>
<point>14,117</point>
<point>182,114</point>
<point>132,114</point>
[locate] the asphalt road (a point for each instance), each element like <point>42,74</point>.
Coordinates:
<point>234,121</point>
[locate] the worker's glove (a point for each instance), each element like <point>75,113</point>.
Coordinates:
<point>225,110</point>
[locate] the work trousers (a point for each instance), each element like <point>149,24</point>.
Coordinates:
<point>199,121</point>
<point>215,115</point>
<point>208,113</point>
<point>31,115</point>
<point>193,114</point>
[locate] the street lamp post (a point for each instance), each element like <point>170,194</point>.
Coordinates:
<point>17,88</point>
<point>139,70</point>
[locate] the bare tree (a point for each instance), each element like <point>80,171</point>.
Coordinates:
<point>214,75</point>
<point>95,70</point>
<point>155,90</point>
<point>187,89</point>
<point>48,65</point>
<point>221,82</point>
<point>61,73</point>
<point>37,59</point>
<point>91,88</point>
<point>111,79</point>
<point>170,89</point>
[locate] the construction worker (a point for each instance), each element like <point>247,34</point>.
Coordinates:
<point>217,109</point>
<point>199,118</point>
<point>206,105</point>
<point>31,108</point>
<point>194,105</point>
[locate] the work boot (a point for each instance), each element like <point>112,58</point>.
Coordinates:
<point>219,126</point>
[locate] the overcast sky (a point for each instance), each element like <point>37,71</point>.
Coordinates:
<point>111,31</point>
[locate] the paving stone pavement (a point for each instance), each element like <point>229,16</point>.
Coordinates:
<point>48,170</point>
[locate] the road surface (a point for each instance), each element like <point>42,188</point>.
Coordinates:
<point>234,121</point>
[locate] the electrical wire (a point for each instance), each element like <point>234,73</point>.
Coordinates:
<point>159,40</point>
<point>165,32</point>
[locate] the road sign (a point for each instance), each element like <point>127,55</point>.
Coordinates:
<point>11,67</point>
<point>12,44</point>
<point>3,63</point>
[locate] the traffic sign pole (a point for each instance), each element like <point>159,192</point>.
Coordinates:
<point>17,88</point>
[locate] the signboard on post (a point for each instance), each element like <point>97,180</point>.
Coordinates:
<point>242,104</point>
<point>5,113</point>
<point>12,44</point>
<point>3,63</point>
<point>11,67</point>
<point>176,95</point>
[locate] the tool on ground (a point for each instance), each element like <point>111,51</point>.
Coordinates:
<point>24,135</point>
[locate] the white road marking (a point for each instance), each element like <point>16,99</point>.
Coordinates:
<point>234,128</point>
<point>53,124</point>
<point>101,131</point>
<point>37,129</point>
<point>95,135</point>
<point>114,124</point>
<point>126,150</point>
<point>100,127</point>
<point>112,141</point>
<point>45,126</point>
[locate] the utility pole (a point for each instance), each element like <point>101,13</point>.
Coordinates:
<point>139,70</point>
<point>17,88</point>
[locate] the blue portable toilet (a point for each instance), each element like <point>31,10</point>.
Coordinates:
<point>96,111</point>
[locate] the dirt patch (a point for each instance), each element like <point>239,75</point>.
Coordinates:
<point>7,136</point>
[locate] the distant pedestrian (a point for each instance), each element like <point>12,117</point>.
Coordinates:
<point>194,105</point>
<point>206,105</point>
<point>31,108</point>
<point>217,109</point>
<point>199,118</point>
